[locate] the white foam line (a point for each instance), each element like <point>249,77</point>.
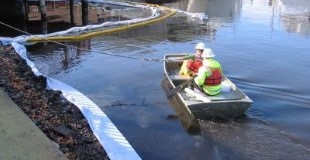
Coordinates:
<point>114,143</point>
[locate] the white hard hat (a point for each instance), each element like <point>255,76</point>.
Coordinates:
<point>201,46</point>
<point>207,53</point>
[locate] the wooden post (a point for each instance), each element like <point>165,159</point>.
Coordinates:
<point>65,62</point>
<point>54,5</point>
<point>44,27</point>
<point>43,10</point>
<point>24,10</point>
<point>71,11</point>
<point>84,12</point>
<point>43,17</point>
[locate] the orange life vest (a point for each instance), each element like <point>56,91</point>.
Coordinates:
<point>215,78</point>
<point>194,65</point>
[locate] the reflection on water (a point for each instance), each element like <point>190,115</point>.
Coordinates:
<point>295,16</point>
<point>60,58</point>
<point>226,10</point>
<point>300,25</point>
<point>249,37</point>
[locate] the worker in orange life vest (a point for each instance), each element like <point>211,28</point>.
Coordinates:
<point>209,75</point>
<point>192,62</point>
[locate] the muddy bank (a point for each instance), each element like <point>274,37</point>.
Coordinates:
<point>60,120</point>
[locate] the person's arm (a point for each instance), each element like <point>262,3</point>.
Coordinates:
<point>203,73</point>
<point>189,56</point>
<point>186,57</point>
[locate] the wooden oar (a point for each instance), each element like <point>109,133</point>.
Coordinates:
<point>179,88</point>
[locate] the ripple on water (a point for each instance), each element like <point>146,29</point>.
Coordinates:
<point>255,139</point>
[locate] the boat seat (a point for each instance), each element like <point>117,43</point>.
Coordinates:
<point>179,77</point>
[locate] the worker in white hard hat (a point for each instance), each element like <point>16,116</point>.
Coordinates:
<point>192,62</point>
<point>209,76</point>
<point>200,46</point>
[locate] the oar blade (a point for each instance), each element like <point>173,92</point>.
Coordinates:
<point>178,88</point>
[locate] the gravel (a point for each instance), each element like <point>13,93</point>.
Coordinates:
<point>58,118</point>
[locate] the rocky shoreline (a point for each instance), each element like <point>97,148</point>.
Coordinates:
<point>60,120</point>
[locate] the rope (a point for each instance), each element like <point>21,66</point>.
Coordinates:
<point>74,47</point>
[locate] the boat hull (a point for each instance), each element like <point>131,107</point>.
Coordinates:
<point>225,106</point>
